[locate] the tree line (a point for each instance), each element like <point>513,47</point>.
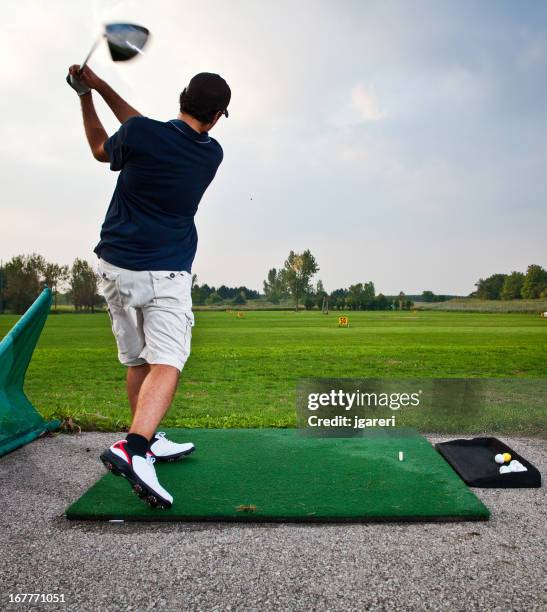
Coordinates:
<point>206,295</point>
<point>294,281</point>
<point>23,277</point>
<point>515,286</point>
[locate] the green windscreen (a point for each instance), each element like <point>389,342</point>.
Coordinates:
<point>20,422</point>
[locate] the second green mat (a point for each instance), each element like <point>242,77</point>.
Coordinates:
<point>278,475</point>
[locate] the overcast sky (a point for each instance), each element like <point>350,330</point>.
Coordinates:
<point>402,142</point>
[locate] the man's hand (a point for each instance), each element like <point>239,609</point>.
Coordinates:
<point>87,76</point>
<point>83,82</point>
<point>86,80</point>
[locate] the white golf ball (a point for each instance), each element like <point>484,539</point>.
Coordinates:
<point>499,458</point>
<point>504,469</point>
<point>516,466</point>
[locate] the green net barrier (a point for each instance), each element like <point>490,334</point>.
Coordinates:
<point>20,422</point>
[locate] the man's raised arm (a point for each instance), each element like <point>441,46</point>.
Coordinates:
<point>95,133</point>
<point>117,104</point>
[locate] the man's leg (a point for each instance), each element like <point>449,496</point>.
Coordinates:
<point>161,448</point>
<point>135,378</point>
<point>129,457</point>
<point>154,398</point>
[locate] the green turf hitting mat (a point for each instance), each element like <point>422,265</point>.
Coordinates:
<point>279,475</point>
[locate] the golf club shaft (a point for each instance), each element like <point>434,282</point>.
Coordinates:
<point>95,45</point>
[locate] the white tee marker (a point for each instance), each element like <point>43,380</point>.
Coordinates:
<point>401,456</point>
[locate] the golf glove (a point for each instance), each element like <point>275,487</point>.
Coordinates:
<point>80,88</point>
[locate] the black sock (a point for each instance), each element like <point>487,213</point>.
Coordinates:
<point>136,444</point>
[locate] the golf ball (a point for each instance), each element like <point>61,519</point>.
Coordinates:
<point>516,466</point>
<point>499,459</point>
<point>506,457</point>
<point>504,469</point>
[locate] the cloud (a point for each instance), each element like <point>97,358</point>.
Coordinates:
<point>361,133</point>
<point>534,54</point>
<point>365,101</point>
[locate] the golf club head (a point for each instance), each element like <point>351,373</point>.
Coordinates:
<point>125,40</point>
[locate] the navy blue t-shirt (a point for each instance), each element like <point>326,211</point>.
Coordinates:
<point>165,169</point>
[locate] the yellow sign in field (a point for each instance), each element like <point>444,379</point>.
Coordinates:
<point>343,321</point>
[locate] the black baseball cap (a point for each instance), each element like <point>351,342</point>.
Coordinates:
<point>208,91</point>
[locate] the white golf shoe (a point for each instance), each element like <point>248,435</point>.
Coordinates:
<point>163,449</point>
<point>139,471</point>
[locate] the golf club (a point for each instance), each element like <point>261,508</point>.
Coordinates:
<point>125,41</point>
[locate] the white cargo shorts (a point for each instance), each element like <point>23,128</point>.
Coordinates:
<point>151,314</point>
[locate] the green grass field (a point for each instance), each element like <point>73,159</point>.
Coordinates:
<point>243,372</point>
<point>477,305</point>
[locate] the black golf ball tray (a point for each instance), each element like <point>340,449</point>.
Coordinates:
<point>473,460</point>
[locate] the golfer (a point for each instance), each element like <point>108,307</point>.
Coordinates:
<point>147,245</point>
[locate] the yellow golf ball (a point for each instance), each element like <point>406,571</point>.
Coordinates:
<point>506,457</point>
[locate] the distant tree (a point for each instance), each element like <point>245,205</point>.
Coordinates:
<point>194,280</point>
<point>239,299</point>
<point>22,276</point>
<point>320,294</point>
<point>382,303</point>
<point>355,296</point>
<point>490,288</point>
<point>400,303</point>
<point>408,304</point>
<point>198,296</point>
<point>297,274</point>
<point>53,274</point>
<point>369,293</point>
<point>250,294</point>
<point>309,302</point>
<point>84,286</point>
<point>201,294</point>
<point>429,296</point>
<point>225,292</point>
<point>206,291</point>
<point>337,299</point>
<point>273,286</point>
<point>213,298</point>
<point>535,282</point>
<point>512,286</point>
